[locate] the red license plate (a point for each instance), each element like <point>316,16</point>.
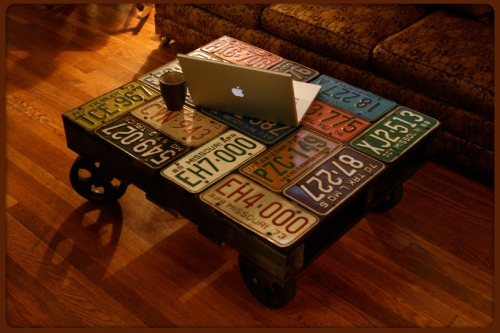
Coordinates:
<point>238,52</point>
<point>333,122</point>
<point>285,161</point>
<point>330,183</point>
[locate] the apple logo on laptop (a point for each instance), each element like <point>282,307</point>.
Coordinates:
<point>238,92</point>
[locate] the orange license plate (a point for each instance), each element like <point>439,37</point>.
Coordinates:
<point>333,122</point>
<point>288,159</point>
<point>266,213</point>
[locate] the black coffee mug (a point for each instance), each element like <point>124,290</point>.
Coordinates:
<point>173,90</point>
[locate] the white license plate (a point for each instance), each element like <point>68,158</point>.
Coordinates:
<point>212,161</point>
<point>260,210</point>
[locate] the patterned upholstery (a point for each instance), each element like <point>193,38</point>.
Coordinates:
<point>247,15</point>
<point>453,60</point>
<point>343,32</point>
<point>397,68</point>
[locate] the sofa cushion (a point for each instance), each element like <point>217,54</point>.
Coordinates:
<point>247,15</point>
<point>446,56</point>
<point>344,32</point>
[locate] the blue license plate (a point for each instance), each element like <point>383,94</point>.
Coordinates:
<point>351,99</point>
<point>263,131</point>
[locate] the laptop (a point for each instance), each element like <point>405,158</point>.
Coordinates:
<point>247,91</point>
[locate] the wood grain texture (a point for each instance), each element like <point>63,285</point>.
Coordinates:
<point>428,262</point>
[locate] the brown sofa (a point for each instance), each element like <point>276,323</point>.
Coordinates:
<point>436,59</point>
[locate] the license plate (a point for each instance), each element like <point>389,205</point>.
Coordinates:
<point>267,214</point>
<point>351,99</point>
<point>238,52</point>
<point>394,134</point>
<point>198,53</point>
<point>141,141</point>
<point>333,181</point>
<point>115,103</point>
<point>288,159</point>
<point>260,130</point>
<point>153,78</point>
<point>188,126</point>
<point>212,161</point>
<point>333,122</point>
<point>297,71</point>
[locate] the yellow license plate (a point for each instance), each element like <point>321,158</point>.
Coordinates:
<point>333,122</point>
<point>115,103</point>
<point>188,126</point>
<point>288,159</point>
<point>267,214</point>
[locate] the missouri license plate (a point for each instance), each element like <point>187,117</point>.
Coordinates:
<point>394,134</point>
<point>188,126</point>
<point>331,121</point>
<point>297,71</point>
<point>115,103</point>
<point>330,183</point>
<point>212,161</point>
<point>141,141</point>
<point>351,99</point>
<point>260,130</point>
<point>238,52</point>
<point>267,214</point>
<point>286,160</point>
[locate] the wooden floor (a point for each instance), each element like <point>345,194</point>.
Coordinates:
<point>70,263</point>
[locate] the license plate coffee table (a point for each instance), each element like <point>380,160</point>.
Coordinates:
<point>277,195</point>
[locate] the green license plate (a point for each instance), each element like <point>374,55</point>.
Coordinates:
<point>327,185</point>
<point>141,141</point>
<point>115,103</point>
<point>188,126</point>
<point>394,134</point>
<point>207,164</point>
<point>286,160</point>
<point>266,213</point>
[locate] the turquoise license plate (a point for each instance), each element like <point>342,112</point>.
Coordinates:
<point>263,131</point>
<point>351,99</point>
<point>394,134</point>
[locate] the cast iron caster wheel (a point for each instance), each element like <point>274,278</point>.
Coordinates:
<point>390,201</point>
<point>263,288</point>
<point>93,182</point>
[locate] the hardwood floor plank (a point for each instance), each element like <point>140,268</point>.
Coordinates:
<point>72,290</point>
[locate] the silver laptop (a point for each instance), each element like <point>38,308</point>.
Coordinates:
<point>247,91</point>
